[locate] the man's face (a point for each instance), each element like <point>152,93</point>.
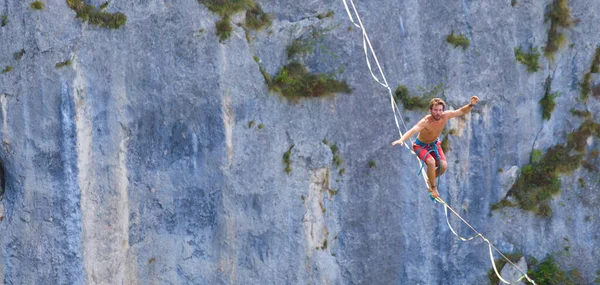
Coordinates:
<point>436,112</point>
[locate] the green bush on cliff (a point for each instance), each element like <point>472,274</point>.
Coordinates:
<point>95,16</point>
<point>530,59</point>
<point>559,16</point>
<point>458,40</point>
<point>293,81</point>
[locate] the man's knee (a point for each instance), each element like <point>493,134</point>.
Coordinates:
<point>430,162</point>
<point>444,165</point>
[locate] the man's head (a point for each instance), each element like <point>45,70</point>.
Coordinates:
<point>436,108</point>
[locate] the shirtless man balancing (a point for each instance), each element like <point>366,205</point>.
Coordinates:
<point>427,147</point>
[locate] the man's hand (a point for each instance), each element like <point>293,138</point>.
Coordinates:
<point>397,142</point>
<point>474,100</point>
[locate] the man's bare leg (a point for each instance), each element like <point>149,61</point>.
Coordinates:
<point>431,175</point>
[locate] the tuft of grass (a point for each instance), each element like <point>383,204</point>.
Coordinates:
<point>63,64</point>
<point>300,47</point>
<point>322,16</point>
<point>294,81</point>
<point>151,260</point>
<point>372,164</point>
<point>530,58</point>
<point>223,28</point>
<point>261,126</point>
<point>7,69</point>
<point>257,19</point>
<point>4,20</point>
<point>342,171</point>
<point>256,59</point>
<point>401,94</point>
<point>586,86</point>
<point>548,272</point>
<point>582,114</point>
<point>18,55</point>
<point>458,40</point>
<point>547,102</point>
<point>559,16</point>
<point>287,161</point>
<point>250,124</point>
<point>37,5</point>
<point>95,16</point>
<point>577,140</point>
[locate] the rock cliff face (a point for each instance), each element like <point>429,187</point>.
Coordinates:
<point>154,156</point>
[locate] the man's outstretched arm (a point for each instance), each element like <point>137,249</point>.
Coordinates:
<point>417,128</point>
<point>464,109</point>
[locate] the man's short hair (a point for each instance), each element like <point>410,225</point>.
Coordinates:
<point>436,101</point>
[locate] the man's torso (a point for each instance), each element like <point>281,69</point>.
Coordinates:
<point>432,129</point>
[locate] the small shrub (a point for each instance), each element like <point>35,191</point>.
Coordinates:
<point>547,102</point>
<point>372,164</point>
<point>226,8</point>
<point>299,47</point>
<point>530,59</point>
<point>401,94</point>
<point>327,15</point>
<point>287,161</point>
<point>586,87</point>
<point>342,171</point>
<point>337,160</point>
<point>250,124</point>
<point>261,126</point>
<point>548,272</point>
<point>37,5</point>
<point>460,40</point>
<point>257,19</point>
<point>63,64</point>
<point>223,29</point>
<point>18,55</point>
<point>582,114</point>
<point>4,21</point>
<point>294,81</point>
<point>7,69</point>
<point>559,16</point>
<point>95,16</point>
<point>256,59</point>
<point>577,139</point>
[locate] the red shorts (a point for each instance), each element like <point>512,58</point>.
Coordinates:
<point>423,152</point>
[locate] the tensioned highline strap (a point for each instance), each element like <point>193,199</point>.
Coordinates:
<point>368,50</point>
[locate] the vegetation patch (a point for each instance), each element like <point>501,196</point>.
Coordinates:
<point>402,95</point>
<point>4,20</point>
<point>547,102</point>
<point>287,161</point>
<point>530,58</point>
<point>548,272</point>
<point>300,47</point>
<point>539,180</point>
<point>372,164</point>
<point>7,69</point>
<point>458,40</point>
<point>256,18</point>
<point>37,5</point>
<point>294,81</point>
<point>559,16</point>
<point>63,64</point>
<point>582,114</point>
<point>223,28</point>
<point>322,16</point>
<point>96,16</point>
<point>586,86</point>
<point>18,55</point>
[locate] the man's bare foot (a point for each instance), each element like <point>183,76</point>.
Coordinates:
<point>434,192</point>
